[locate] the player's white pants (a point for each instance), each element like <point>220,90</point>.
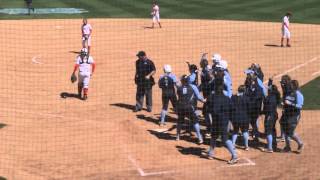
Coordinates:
<point>86,38</point>
<point>286,33</point>
<point>84,79</point>
<point>156,18</point>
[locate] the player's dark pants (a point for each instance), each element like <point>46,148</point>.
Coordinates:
<point>187,111</point>
<point>221,130</point>
<point>244,127</point>
<point>141,92</point>
<point>289,124</point>
<point>254,115</point>
<point>165,103</point>
<point>270,130</point>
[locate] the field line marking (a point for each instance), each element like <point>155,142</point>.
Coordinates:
<point>248,163</point>
<point>142,173</point>
<point>315,73</point>
<point>135,164</point>
<point>295,67</point>
<point>34,59</point>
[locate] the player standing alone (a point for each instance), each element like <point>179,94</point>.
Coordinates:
<point>86,29</point>
<point>86,67</point>
<point>155,12</point>
<point>285,29</point>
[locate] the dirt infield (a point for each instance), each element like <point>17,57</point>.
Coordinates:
<point>46,137</point>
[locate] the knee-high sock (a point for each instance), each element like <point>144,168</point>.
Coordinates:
<point>230,148</point>
<point>269,141</point>
<point>234,138</point>
<point>246,138</point>
<point>197,129</point>
<point>297,139</point>
<point>212,146</point>
<point>163,116</point>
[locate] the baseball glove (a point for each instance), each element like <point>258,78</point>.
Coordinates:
<point>73,78</point>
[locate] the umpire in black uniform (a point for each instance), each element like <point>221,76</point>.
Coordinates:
<point>145,69</point>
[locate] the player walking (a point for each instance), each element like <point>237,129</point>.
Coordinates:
<point>239,116</point>
<point>86,30</point>
<point>292,112</point>
<point>285,29</point>
<point>270,104</point>
<point>155,13</point>
<point>167,83</point>
<point>86,67</point>
<point>219,107</point>
<point>185,107</point>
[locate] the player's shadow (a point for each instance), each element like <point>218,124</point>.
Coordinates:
<point>65,95</point>
<point>125,106</point>
<point>147,27</point>
<point>2,125</point>
<point>74,52</point>
<point>163,135</point>
<point>155,120</point>
<point>272,45</point>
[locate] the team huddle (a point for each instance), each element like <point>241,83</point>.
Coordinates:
<point>225,114</point>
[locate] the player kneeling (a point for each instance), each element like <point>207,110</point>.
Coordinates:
<point>86,67</point>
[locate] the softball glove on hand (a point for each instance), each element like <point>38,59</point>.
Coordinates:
<point>73,78</point>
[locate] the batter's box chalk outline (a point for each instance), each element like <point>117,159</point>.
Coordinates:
<point>248,162</point>
<point>141,171</point>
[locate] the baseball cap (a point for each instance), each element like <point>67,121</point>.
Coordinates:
<point>167,68</point>
<point>141,53</point>
<point>222,64</point>
<point>216,57</point>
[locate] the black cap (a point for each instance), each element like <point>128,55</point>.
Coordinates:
<point>141,53</point>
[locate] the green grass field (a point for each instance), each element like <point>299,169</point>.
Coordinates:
<point>311,94</point>
<point>304,11</point>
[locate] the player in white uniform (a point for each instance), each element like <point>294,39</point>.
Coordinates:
<point>285,29</point>
<point>86,30</point>
<point>86,66</point>
<point>155,14</point>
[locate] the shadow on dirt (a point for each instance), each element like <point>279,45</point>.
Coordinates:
<point>65,95</point>
<point>272,45</point>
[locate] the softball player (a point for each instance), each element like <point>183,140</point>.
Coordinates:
<point>286,90</point>
<point>270,104</point>
<point>185,108</point>
<point>255,92</point>
<point>86,30</point>
<point>29,6</point>
<point>219,107</point>
<point>239,116</point>
<point>167,83</point>
<point>285,29</point>
<point>292,112</point>
<point>155,13</point>
<point>86,67</point>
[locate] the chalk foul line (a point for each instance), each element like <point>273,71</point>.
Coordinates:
<point>295,68</point>
<point>142,173</point>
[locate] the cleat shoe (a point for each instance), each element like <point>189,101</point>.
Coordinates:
<point>233,161</point>
<point>246,148</point>
<point>267,150</point>
<point>286,150</point>
<point>178,138</point>
<point>300,148</point>
<point>85,97</point>
<point>200,141</point>
<point>288,45</point>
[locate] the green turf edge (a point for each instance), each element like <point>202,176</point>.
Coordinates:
<point>311,93</point>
